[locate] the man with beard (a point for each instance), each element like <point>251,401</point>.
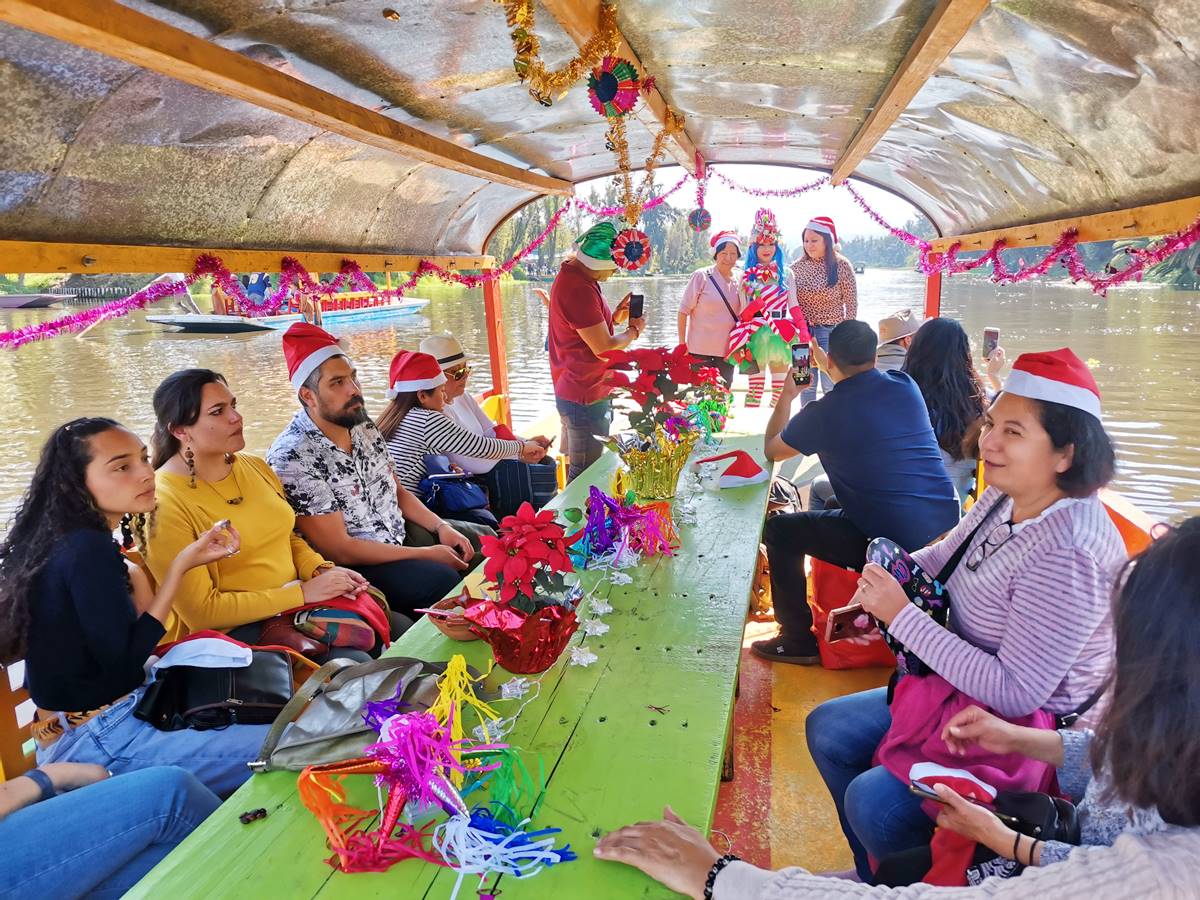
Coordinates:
<point>338,477</point>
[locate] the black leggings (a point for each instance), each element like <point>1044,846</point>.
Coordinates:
<point>411,584</point>
<point>827,535</point>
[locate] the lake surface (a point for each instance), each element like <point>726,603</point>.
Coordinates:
<point>1141,343</point>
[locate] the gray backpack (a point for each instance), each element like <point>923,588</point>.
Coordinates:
<point>323,721</point>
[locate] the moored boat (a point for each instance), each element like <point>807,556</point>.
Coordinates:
<point>230,324</point>
<point>31,301</point>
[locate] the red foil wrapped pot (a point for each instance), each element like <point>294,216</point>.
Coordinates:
<point>523,643</point>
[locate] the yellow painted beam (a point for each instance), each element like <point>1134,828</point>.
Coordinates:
<point>115,30</point>
<point>580,19</point>
<point>951,19</point>
<point>1139,221</point>
<point>113,259</point>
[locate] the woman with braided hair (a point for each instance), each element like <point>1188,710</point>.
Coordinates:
<point>85,620</point>
<point>771,321</point>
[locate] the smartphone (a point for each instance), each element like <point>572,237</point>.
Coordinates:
<point>848,622</point>
<point>802,364</point>
<point>991,340</point>
<point>637,304</point>
<point>925,792</point>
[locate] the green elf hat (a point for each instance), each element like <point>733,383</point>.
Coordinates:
<point>593,248</point>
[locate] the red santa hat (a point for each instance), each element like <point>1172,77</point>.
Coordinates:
<point>413,372</point>
<point>725,237</point>
<point>742,471</point>
<point>823,225</point>
<point>305,347</point>
<point>1057,376</point>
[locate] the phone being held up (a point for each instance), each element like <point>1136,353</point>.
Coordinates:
<point>991,340</point>
<point>801,365</point>
<point>636,305</point>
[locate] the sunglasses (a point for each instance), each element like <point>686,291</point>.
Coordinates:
<point>999,536</point>
<point>459,374</point>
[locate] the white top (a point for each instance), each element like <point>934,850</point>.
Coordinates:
<point>467,412</point>
<point>1160,865</point>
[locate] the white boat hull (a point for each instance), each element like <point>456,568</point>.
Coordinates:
<point>213,324</point>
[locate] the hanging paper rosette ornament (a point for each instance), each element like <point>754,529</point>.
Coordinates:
<point>613,87</point>
<point>631,249</point>
<point>700,219</point>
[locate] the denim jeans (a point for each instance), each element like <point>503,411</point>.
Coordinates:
<point>877,812</point>
<point>579,422</point>
<point>100,840</point>
<point>821,334</point>
<point>121,743</point>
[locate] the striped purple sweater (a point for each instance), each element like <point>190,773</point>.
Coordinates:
<point>1030,628</point>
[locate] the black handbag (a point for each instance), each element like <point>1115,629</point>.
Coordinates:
<point>203,698</point>
<point>1033,814</point>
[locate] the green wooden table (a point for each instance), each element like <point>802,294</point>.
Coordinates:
<point>609,758</point>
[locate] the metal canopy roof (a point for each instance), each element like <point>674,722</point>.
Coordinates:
<point>1042,110</point>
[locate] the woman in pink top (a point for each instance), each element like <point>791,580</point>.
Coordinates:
<point>711,303</point>
<point>825,288</point>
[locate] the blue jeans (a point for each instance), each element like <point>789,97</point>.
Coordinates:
<point>100,840</point>
<point>579,422</point>
<point>877,812</point>
<point>119,742</point>
<point>821,334</point>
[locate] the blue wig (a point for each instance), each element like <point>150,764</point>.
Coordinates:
<point>752,259</point>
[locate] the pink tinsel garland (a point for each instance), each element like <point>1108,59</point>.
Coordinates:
<point>1064,250</point>
<point>770,192</point>
<point>294,278</point>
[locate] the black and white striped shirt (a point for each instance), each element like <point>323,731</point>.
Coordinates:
<point>425,431</point>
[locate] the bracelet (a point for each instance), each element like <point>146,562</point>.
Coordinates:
<point>42,780</point>
<point>715,871</point>
<point>1032,848</point>
<point>1016,843</point>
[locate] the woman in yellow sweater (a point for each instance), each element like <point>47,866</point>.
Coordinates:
<point>202,479</point>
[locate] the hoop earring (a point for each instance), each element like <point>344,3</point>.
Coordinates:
<point>229,459</point>
<point>190,459</point>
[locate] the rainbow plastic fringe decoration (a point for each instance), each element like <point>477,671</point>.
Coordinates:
<point>514,791</point>
<point>422,759</point>
<point>616,525</point>
<point>456,691</point>
<point>355,850</point>
<point>481,844</point>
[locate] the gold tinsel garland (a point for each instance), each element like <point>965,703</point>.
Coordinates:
<point>618,142</point>
<point>546,86</point>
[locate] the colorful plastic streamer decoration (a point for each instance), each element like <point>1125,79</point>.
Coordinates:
<point>514,791</point>
<point>631,249</point>
<point>613,525</point>
<point>456,692</point>
<point>613,87</point>
<point>421,760</point>
<point>481,844</point>
<point>355,850</point>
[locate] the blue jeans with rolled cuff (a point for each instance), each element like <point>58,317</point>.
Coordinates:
<point>877,812</point>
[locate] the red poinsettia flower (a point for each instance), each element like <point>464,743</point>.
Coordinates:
<point>528,542</point>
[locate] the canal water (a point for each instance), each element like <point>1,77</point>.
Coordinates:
<point>1141,343</point>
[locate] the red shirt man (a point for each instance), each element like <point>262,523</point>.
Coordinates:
<point>581,331</point>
